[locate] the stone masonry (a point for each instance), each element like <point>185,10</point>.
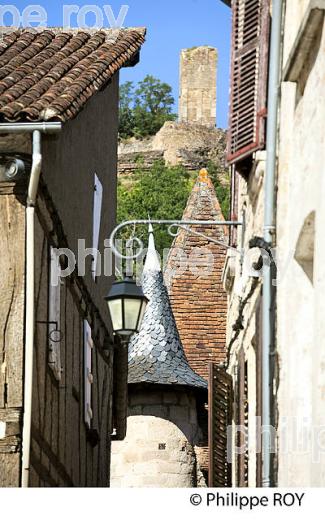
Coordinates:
<point>177,144</point>
<point>198,86</point>
<point>159,449</point>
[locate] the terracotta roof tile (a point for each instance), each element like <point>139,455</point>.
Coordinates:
<point>199,301</point>
<point>50,74</point>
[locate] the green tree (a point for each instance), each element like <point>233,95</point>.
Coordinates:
<point>126,116</point>
<point>222,187</point>
<point>161,193</point>
<point>144,110</point>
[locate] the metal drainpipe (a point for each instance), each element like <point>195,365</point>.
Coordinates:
<point>36,129</point>
<point>269,229</point>
<point>30,305</point>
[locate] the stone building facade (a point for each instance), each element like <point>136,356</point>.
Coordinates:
<point>300,338</point>
<point>166,399</point>
<point>297,306</point>
<point>198,86</point>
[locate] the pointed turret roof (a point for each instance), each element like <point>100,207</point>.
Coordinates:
<point>156,354</point>
<point>197,295</point>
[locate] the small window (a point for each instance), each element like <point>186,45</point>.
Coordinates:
<point>88,376</point>
<point>97,211</point>
<point>54,333</point>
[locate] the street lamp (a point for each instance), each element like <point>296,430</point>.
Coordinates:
<point>126,305</point>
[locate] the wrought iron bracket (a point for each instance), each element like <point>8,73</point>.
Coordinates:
<point>52,334</point>
<point>174,227</point>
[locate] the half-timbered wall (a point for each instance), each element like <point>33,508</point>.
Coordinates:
<point>12,289</point>
<point>65,451</point>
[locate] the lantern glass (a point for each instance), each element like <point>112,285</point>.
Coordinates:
<point>142,311</point>
<point>116,312</point>
<point>132,309</point>
<point>126,304</point>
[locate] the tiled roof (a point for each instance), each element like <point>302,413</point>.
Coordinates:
<point>49,74</point>
<point>198,299</point>
<point>156,354</point>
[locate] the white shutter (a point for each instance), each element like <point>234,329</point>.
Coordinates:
<point>54,317</point>
<point>88,376</point>
<point>97,211</point>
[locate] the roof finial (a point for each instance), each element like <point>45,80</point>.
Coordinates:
<point>152,262</point>
<point>203,175</point>
<point>150,230</point>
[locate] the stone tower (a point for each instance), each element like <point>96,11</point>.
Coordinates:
<point>166,399</point>
<point>198,86</point>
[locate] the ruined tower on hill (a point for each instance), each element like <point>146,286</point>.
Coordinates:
<point>198,86</point>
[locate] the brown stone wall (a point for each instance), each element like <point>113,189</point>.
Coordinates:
<point>198,299</point>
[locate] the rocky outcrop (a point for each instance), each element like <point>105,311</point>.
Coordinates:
<point>186,144</point>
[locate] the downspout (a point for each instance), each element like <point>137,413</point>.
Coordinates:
<point>269,231</point>
<point>30,304</point>
<point>36,129</point>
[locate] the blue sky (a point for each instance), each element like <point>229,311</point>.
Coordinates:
<point>172,25</point>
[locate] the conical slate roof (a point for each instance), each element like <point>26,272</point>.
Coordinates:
<point>156,354</point>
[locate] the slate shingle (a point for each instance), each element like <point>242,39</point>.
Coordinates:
<point>156,354</point>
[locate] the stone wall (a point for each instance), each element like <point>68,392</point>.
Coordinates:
<point>299,382</point>
<point>198,86</point>
<point>244,296</point>
<point>185,144</point>
<point>300,241</point>
<point>159,448</point>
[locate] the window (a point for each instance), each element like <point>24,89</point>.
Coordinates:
<point>97,211</point>
<point>249,64</point>
<point>88,376</point>
<point>54,333</point>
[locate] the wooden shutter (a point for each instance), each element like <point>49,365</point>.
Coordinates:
<point>220,418</point>
<point>249,66</point>
<point>242,420</point>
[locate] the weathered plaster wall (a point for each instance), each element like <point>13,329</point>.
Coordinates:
<point>244,292</point>
<point>159,449</point>
<point>300,299</point>
<point>300,307</point>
